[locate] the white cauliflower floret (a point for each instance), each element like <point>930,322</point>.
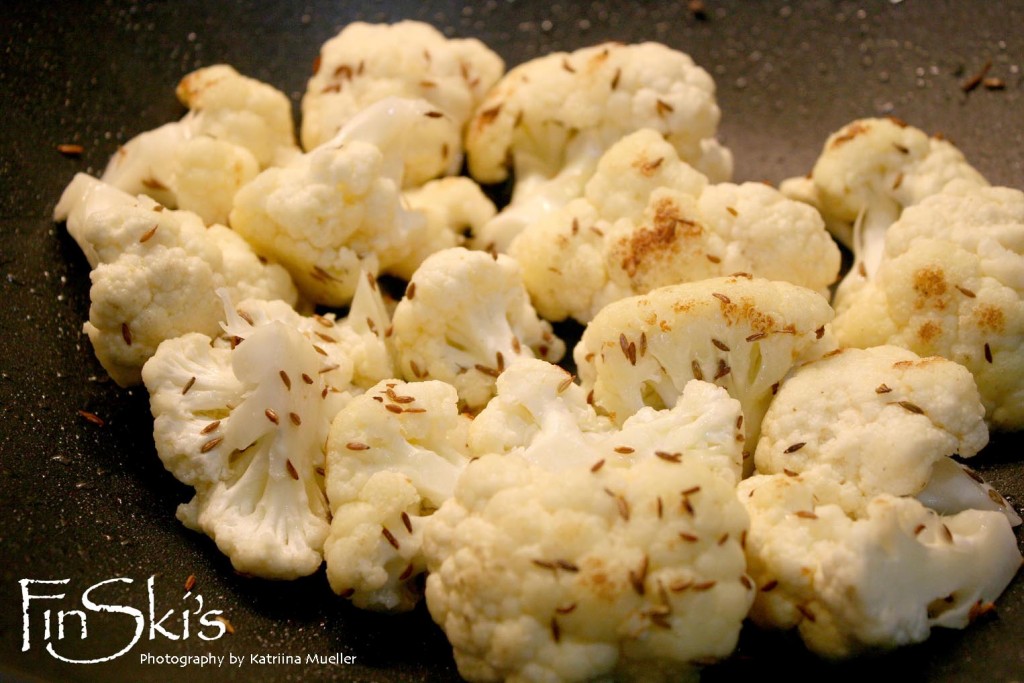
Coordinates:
<point>244,420</point>
<point>647,219</point>
<point>453,208</point>
<point>870,170</point>
<point>235,127</point>
<point>393,457</point>
<point>539,414</point>
<point>740,332</point>
<point>338,210</point>
<point>951,283</point>
<point>834,420</point>
<point>537,575</point>
<point>465,317</point>
<point>366,63</point>
<point>549,120</point>
<point>873,581</point>
<point>156,272</point>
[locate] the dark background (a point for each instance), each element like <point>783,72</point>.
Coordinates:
<point>89,503</point>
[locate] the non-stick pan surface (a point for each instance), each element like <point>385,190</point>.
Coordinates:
<point>89,504</point>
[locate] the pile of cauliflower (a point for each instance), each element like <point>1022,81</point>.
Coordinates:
<point>350,354</point>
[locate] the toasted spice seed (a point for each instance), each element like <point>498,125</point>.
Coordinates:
<point>669,457</point>
<point>756,336</point>
<point>966,292</point>
<point>271,415</point>
<point>292,472</point>
<point>434,115</point>
<point>994,496</point>
<point>643,344</point>
<point>623,507</point>
<point>320,470</point>
<point>615,78</point>
<point>775,388</point>
<point>721,297</point>
<point>659,619</point>
<point>979,610</point>
<point>993,83</point>
<point>910,407</point>
<point>407,521</point>
<point>211,444</point>
<point>790,473</point>
<point>392,408</point>
<point>566,566</point>
<point>326,337</point>
<point>326,322</point>
<point>486,370</point>
<point>713,258</point>
<point>567,609</point>
<point>664,108</point>
<point>357,446</point>
<point>565,384</point>
<point>153,184</point>
<point>406,573</point>
<point>695,368</point>
<point>770,586</point>
<point>973,475</point>
<point>410,291</point>
<point>692,490</point>
<point>820,332</point>
<point>210,427</point>
<point>499,361</point>
<point>988,353</point>
<point>806,611</point>
<point>415,410</point>
<point>883,389</point>
<point>625,450</point>
<point>307,379</point>
<point>899,178</point>
<point>556,631</point>
<point>227,624</point>
<point>689,538</point>
<point>286,379</point>
<point>126,334</point>
<point>723,539</point>
<point>743,539</point>
<point>947,534</point>
<point>624,344</point>
<point>706,585</point>
<point>721,346</point>
<point>321,274</point>
<point>590,397</point>
<point>747,583</point>
<point>680,585</point>
<point>805,514</point>
<point>148,235</point>
<point>296,420</point>
<point>795,447</point>
<point>544,564</point>
<point>901,148</point>
<point>660,507</point>
<point>723,369</point>
<point>70,149</point>
<point>597,465</point>
<point>638,577</point>
<point>188,385</point>
<point>190,582</point>
<point>347,593</point>
<point>415,370</point>
<point>386,533</point>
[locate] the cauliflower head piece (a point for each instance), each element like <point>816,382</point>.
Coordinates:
<point>235,127</point>
<point>873,168</point>
<point>647,219</point>
<point>155,272</point>
<point>338,210</point>
<point>243,419</point>
<point>366,63</point>
<point>950,284</point>
<point>541,415</point>
<point>834,420</point>
<point>873,581</point>
<point>739,332</point>
<point>573,575</point>
<point>549,120</point>
<point>393,456</point>
<point>464,319</point>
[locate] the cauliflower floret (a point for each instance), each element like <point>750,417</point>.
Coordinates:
<point>465,317</point>
<point>873,581</point>
<point>338,210</point>
<point>243,419</point>
<point>647,219</point>
<point>235,127</point>
<point>453,208</point>
<point>541,415</point>
<point>951,283</point>
<point>156,272</point>
<point>551,119</point>
<point>366,63</point>
<point>834,419</point>
<point>872,169</point>
<point>739,332</point>
<point>572,575</point>
<point>393,456</point>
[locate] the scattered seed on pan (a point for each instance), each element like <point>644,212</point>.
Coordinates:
<point>977,79</point>
<point>70,149</point>
<point>190,582</point>
<point>92,417</point>
<point>227,624</point>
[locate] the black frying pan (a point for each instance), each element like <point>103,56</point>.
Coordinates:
<point>90,503</point>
